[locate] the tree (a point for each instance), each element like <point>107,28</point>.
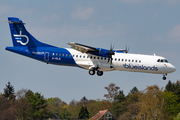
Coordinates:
<point>112,92</point>
<point>53,104</point>
<point>121,102</point>
<point>94,106</point>
<point>119,106</point>
<point>175,88</point>
<point>83,114</point>
<point>73,109</point>
<point>9,93</point>
<point>133,95</point>
<point>173,107</point>
<point>170,86</point>
<point>23,108</point>
<point>39,105</point>
<point>4,103</point>
<point>105,104</point>
<point>84,100</point>
<point>64,114</point>
<point>177,117</point>
<point>152,104</point>
<point>131,112</point>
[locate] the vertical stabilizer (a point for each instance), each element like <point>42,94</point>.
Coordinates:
<point>21,37</point>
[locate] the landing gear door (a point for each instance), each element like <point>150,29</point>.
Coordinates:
<point>46,56</point>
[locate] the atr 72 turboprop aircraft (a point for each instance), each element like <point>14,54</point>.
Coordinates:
<point>83,56</point>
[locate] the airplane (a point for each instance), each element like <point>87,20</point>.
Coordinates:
<point>96,60</point>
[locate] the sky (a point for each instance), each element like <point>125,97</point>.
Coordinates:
<point>147,26</point>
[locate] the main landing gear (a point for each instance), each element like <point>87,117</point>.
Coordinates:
<point>99,73</point>
<point>164,76</point>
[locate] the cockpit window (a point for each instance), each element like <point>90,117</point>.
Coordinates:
<point>162,60</point>
<point>166,61</point>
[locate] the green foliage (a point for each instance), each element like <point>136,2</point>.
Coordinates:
<point>84,99</point>
<point>38,104</point>
<point>120,97</point>
<point>170,86</point>
<point>53,104</point>
<point>119,106</point>
<point>121,103</point>
<point>175,88</point>
<point>94,106</point>
<point>177,117</point>
<point>173,107</point>
<point>83,114</point>
<point>64,114</point>
<point>74,108</point>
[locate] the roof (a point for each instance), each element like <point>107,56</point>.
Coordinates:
<point>99,115</point>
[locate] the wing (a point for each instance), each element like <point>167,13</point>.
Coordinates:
<point>82,48</point>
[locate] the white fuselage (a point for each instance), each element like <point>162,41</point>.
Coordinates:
<point>124,62</point>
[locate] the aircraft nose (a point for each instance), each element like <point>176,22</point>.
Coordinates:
<point>172,68</point>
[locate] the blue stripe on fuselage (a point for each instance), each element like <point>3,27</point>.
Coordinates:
<point>58,56</point>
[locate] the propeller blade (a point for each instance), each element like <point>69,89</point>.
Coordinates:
<point>100,51</point>
<point>127,49</point>
<point>110,54</point>
<point>111,61</point>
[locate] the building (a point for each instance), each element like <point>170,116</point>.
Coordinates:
<point>103,115</point>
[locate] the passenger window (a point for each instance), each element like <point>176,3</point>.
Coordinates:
<point>66,55</point>
<point>122,59</point>
<point>69,55</point>
<point>101,58</point>
<point>115,59</point>
<point>80,56</point>
<point>91,57</point>
<point>53,54</point>
<point>129,60</point>
<point>59,54</point>
<point>62,54</point>
<point>94,57</point>
<point>139,61</point>
<point>56,54</point>
<point>83,56</point>
<point>136,60</point>
<point>87,56</point>
<point>105,58</point>
<point>132,60</point>
<point>118,59</point>
<point>73,55</point>
<point>97,57</point>
<point>76,55</point>
<point>125,60</point>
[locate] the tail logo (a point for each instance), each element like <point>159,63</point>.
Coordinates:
<point>18,38</point>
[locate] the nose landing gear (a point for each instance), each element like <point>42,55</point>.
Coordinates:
<point>164,76</point>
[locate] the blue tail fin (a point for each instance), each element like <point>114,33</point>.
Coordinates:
<point>21,37</point>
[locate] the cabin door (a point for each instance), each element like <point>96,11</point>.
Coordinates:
<point>46,56</point>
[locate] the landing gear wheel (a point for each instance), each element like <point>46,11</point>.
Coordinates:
<point>164,78</point>
<point>91,72</point>
<point>99,73</point>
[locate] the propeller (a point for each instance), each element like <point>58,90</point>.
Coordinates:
<point>127,49</point>
<point>100,51</point>
<point>110,54</point>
